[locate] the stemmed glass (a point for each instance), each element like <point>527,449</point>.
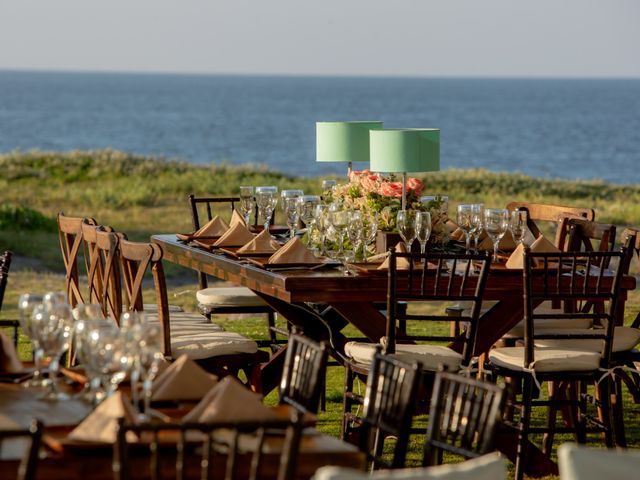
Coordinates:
<point>26,305</point>
<point>463,218</point>
<point>267,199</point>
<point>477,222</point>
<point>518,225</point>
<point>306,208</point>
<point>327,189</point>
<point>370,230</point>
<point>339,220</point>
<point>496,223</point>
<point>290,194</point>
<point>423,229</point>
<point>54,322</point>
<point>355,231</point>
<point>406,221</point>
<point>85,315</point>
<point>110,353</point>
<point>290,205</point>
<point>320,224</point>
<point>247,202</point>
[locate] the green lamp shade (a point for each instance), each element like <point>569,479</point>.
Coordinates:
<point>405,150</point>
<point>343,141</point>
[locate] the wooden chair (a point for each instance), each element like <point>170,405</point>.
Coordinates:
<point>305,366</point>
<point>227,300</point>
<point>227,450</point>
<point>71,246</point>
<point>29,463</point>
<point>463,418</point>
<point>577,281</point>
<point>219,352</point>
<point>389,402</point>
<point>5,264</point>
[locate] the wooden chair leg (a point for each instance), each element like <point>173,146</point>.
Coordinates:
<point>555,390</point>
<point>603,398</point>
<point>525,420</point>
<point>618,414</point>
<point>347,403</point>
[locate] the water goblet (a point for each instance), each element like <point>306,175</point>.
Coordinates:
<point>247,202</point>
<point>284,194</point>
<point>477,222</point>
<point>496,223</point>
<point>290,205</point>
<point>306,207</point>
<point>406,222</point>
<point>355,232</point>
<point>370,230</point>
<point>423,229</point>
<point>267,199</point>
<point>518,224</point>
<point>320,224</point>
<point>26,304</point>
<point>327,189</point>
<point>87,317</point>
<point>110,351</point>
<point>463,219</point>
<point>339,220</point>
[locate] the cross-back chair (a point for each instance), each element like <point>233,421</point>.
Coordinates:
<point>227,450</point>
<point>574,277</point>
<point>217,351</point>
<point>227,300</point>
<point>28,467</point>
<point>72,246</point>
<point>5,264</point>
<point>463,417</point>
<point>303,374</point>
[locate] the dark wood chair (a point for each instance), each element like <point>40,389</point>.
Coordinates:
<point>227,450</point>
<point>463,418</point>
<point>305,366</point>
<point>227,300</point>
<point>578,280</point>
<point>389,403</point>
<point>5,264</point>
<point>219,352</point>
<point>29,462</point>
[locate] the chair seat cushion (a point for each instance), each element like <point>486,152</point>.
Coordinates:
<point>180,317</point>
<point>153,307</point>
<point>229,297</point>
<point>624,339</point>
<point>550,323</point>
<point>202,345</point>
<point>430,356</point>
<point>547,359</point>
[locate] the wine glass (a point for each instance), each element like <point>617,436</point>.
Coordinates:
<point>423,229</point>
<point>463,218</point>
<point>339,220</point>
<point>290,205</point>
<point>518,224</point>
<point>370,230</point>
<point>355,231</point>
<point>247,202</point>
<point>267,199</point>
<point>26,305</point>
<point>406,221</point>
<point>477,222</point>
<point>55,324</point>
<point>496,223</point>
<point>87,317</point>
<point>320,224</point>
<point>110,352</point>
<point>290,194</point>
<point>306,207</point>
<point>327,189</point>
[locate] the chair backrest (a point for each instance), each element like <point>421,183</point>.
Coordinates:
<point>575,278</point>
<point>389,403</point>
<point>589,236</point>
<point>208,450</point>
<point>137,258</point>
<point>107,253</point>
<point>463,417</point>
<point>554,214</point>
<point>29,463</point>
<point>447,278</point>
<point>5,264</point>
<point>97,258</point>
<point>303,375</point>
<point>71,245</point>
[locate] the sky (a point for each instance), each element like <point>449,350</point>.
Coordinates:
<point>469,38</point>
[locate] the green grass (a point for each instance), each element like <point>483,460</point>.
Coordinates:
<point>142,195</point>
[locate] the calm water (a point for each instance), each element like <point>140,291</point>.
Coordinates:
<point>550,128</point>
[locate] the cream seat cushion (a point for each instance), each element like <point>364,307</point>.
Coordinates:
<point>577,462</point>
<point>430,356</point>
<point>153,307</point>
<point>549,323</point>
<point>546,359</point>
<point>229,297</point>
<point>198,346</point>
<point>180,317</point>
<point>624,339</point>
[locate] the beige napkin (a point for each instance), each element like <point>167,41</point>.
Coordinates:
<point>235,236</point>
<point>9,361</point>
<point>229,400</point>
<point>262,243</point>
<point>293,251</point>
<point>100,425</point>
<point>506,242</point>
<point>213,228</point>
<point>401,263</point>
<point>184,379</point>
<point>541,245</point>
<point>236,218</point>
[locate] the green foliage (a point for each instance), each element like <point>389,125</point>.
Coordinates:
<point>16,217</point>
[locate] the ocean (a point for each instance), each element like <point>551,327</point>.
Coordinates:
<point>573,129</point>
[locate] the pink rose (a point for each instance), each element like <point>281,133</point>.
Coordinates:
<point>415,185</point>
<point>357,173</point>
<point>391,189</point>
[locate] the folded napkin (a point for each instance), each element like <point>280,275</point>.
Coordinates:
<point>260,244</point>
<point>184,379</point>
<point>100,425</point>
<point>236,218</point>
<point>229,400</point>
<point>541,245</point>
<point>506,242</point>
<point>213,228</point>
<point>401,263</point>
<point>293,251</point>
<point>234,237</point>
<point>378,257</point>
<point>9,361</point>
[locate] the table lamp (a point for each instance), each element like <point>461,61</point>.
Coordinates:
<point>344,141</point>
<point>405,150</point>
